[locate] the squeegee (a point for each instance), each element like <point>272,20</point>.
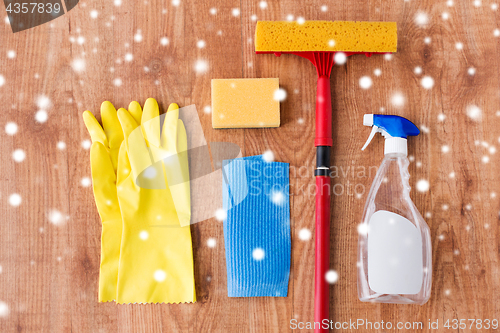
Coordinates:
<point>319,41</point>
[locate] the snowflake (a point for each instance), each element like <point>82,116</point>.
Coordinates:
<point>213,11</point>
<point>427,40</point>
<point>471,71</point>
<point>289,17</point>
<point>340,58</point>
<point>11,128</point>
<point>220,214</point>
<point>331,276</point>
<point>4,309</point>
<point>207,109</point>
<point>41,116</point>
<point>201,66</point>
<point>263,5</point>
<point>423,185</point>
<point>279,95</point>
<point>18,155</point>
<point>55,217</point>
<point>445,149</point>
<point>365,82</point>
<point>176,3</point>
<point>278,198</point>
<point>94,13</point>
<point>301,20</point>
<point>268,156</point>
<point>86,144</point>
<point>421,19</point>
<point>474,112</point>
<point>377,72</point>
<point>324,8</point>
<point>138,36</point>
<point>211,242</point>
<point>398,99</point>
<point>160,275</point>
<point>85,182</point>
<point>117,82</point>
<point>2,80</point>
<point>43,102</point>
<point>11,54</point>
<point>258,254</point>
<point>15,199</point>
<point>235,12</point>
<point>305,234</point>
<point>459,46</point>
<point>363,229</point>
<point>201,44</point>
<point>78,65</point>
<point>427,82</point>
<point>164,41</point>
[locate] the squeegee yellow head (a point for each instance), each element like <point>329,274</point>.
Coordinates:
<point>326,36</point>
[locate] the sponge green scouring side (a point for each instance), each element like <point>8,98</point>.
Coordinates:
<point>347,36</point>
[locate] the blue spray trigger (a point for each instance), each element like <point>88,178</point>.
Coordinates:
<point>395,126</point>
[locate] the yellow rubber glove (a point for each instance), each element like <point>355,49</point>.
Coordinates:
<point>106,142</point>
<point>168,148</point>
<point>156,261</point>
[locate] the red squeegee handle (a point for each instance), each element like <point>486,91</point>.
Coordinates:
<point>323,62</point>
<point>323,143</point>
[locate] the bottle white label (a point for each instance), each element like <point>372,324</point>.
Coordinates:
<point>394,254</point>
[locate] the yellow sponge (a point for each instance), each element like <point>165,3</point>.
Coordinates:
<point>347,36</point>
<point>245,103</point>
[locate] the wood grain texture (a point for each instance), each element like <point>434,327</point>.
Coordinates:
<point>49,272</point>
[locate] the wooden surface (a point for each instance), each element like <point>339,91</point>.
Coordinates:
<point>49,272</point>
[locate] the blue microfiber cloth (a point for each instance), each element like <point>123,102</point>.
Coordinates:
<point>255,196</point>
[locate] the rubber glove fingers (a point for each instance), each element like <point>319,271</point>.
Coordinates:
<point>111,125</point>
<point>136,111</point>
<point>138,153</point>
<point>150,123</point>
<point>169,133</point>
<point>110,134</point>
<point>95,130</point>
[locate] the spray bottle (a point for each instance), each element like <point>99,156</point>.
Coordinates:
<point>394,248</point>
